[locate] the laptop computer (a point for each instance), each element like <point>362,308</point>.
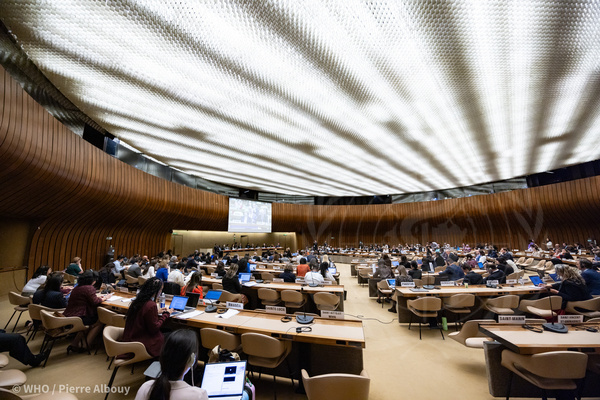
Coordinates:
<point>391,283</point>
<point>536,280</point>
<point>245,276</point>
<point>332,270</point>
<point>178,304</point>
<point>252,267</point>
<point>480,265</point>
<point>555,277</point>
<point>224,381</point>
<point>213,295</point>
<point>395,263</point>
<point>192,301</point>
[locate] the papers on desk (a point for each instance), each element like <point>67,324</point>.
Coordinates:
<point>418,290</point>
<point>249,283</point>
<point>230,313</point>
<point>191,314</point>
<point>115,298</point>
<point>129,300</point>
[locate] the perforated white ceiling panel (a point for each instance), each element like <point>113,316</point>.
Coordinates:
<point>315,97</point>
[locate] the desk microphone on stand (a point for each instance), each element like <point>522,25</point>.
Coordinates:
<point>552,327</point>
<point>304,319</point>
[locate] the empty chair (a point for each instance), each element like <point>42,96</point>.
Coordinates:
<point>269,297</point>
<point>267,276</point>
<point>542,307</point>
<point>10,378</point>
<point>525,263</point>
<point>231,297</point>
<point>114,347</point>
<point>131,280</point>
<point>383,289</point>
<point>503,305</point>
<point>326,301</point>
<point>20,303</point>
<point>535,267</point>
<point>141,280</point>
<point>418,282</point>
<point>111,318</point>
<point>266,352</point>
<point>439,269</point>
<point>210,270</point>
<point>520,261</point>
<point>589,308</point>
<point>555,370</point>
<point>217,286</point>
<point>424,307</point>
<point>58,328</point>
<point>337,386</point>
<point>3,361</point>
<point>428,279</point>
<point>36,319</point>
<point>470,336</point>
<point>459,304</point>
<point>211,338</point>
<point>293,299</point>
<point>364,275</point>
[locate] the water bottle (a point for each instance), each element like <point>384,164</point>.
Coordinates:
<point>162,300</point>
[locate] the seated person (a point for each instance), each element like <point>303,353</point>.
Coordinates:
<point>177,357</point>
<point>220,271</point>
<point>106,274</point>
<point>495,273</point>
<point>144,320</point>
<point>402,276</point>
<point>149,271</point>
<point>39,278</point>
<point>503,266</point>
<point>469,260</point>
<point>83,303</point>
<point>50,295</point>
<point>288,273</point>
<point>590,275</point>
<point>194,284</point>
<point>414,271</point>
<point>176,275</point>
<point>571,287</point>
<point>75,267</point>
<point>230,281</point>
<point>16,345</point>
<point>314,277</point>
<point>472,278</point>
<point>162,272</point>
<point>324,269</point>
<point>135,270</point>
<point>452,272</point>
<point>302,268</point>
<point>383,271</point>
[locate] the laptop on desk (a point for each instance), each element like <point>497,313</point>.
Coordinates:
<point>245,277</point>
<point>332,270</point>
<point>536,280</point>
<point>224,381</point>
<point>178,304</point>
<point>192,301</point>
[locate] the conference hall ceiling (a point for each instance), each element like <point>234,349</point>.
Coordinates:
<point>330,98</point>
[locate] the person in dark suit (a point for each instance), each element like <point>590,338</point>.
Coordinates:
<point>452,272</point>
<point>288,273</point>
<point>495,273</point>
<point>472,278</point>
<point>51,296</point>
<point>414,271</point>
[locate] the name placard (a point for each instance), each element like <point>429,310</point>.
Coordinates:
<point>490,283</point>
<point>511,319</point>
<point>332,314</point>
<point>275,280</point>
<point>407,284</point>
<point>276,268</point>
<point>235,306</point>
<point>447,283</point>
<point>214,274</point>
<point>511,281</point>
<point>275,310</point>
<point>299,280</point>
<point>326,282</point>
<point>570,319</point>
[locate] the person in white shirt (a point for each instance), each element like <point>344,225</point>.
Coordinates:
<point>38,279</point>
<point>119,264</point>
<point>176,275</point>
<point>314,277</point>
<point>177,357</point>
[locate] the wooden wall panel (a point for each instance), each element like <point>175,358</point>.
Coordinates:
<point>77,195</point>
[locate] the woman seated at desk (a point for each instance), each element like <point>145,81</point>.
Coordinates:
<point>414,271</point>
<point>288,273</point>
<point>50,295</point>
<point>143,322</point>
<point>38,279</point>
<point>324,269</point>
<point>231,282</point>
<point>194,285</point>
<point>220,271</point>
<point>571,287</point>
<point>383,271</point>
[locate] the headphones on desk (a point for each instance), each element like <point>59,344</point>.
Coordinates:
<point>221,310</point>
<point>286,318</point>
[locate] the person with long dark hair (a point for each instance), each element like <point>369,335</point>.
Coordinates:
<point>177,357</point>
<point>51,296</point>
<point>194,285</point>
<point>143,322</point>
<point>38,279</point>
<point>324,269</point>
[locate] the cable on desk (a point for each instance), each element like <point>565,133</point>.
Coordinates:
<point>363,318</point>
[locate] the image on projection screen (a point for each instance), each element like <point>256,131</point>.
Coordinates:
<point>249,216</point>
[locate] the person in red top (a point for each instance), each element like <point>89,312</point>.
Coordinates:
<point>302,268</point>
<point>144,319</point>
<point>194,285</point>
<point>83,303</point>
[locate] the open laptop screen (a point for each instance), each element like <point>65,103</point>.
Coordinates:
<point>332,270</point>
<point>536,280</point>
<point>212,295</point>
<point>391,283</point>
<point>245,276</point>
<point>395,263</point>
<point>224,380</point>
<point>178,303</point>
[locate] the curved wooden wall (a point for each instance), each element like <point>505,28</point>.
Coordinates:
<point>78,195</point>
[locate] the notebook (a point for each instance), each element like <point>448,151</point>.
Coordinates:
<point>178,304</point>
<point>536,280</point>
<point>224,381</point>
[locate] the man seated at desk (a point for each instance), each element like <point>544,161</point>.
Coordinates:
<point>288,273</point>
<point>452,272</point>
<point>472,278</point>
<point>495,273</point>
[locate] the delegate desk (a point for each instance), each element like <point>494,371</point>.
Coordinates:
<point>330,346</point>
<point>276,271</point>
<point>252,291</point>
<point>404,293</point>
<point>520,340</point>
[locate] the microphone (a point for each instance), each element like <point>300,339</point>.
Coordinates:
<point>304,319</point>
<point>552,327</point>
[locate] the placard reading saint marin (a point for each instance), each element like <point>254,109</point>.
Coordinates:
<point>249,216</point>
